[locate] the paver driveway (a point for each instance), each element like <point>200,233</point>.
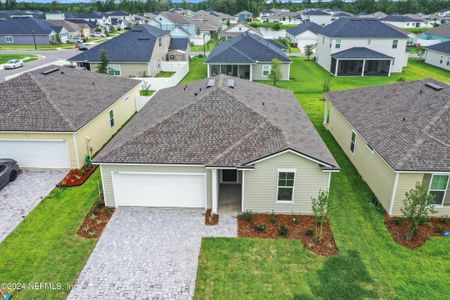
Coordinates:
<point>148,253</point>
<point>18,198</point>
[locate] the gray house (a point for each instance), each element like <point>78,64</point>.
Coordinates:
<point>24,31</point>
<point>217,140</point>
<point>247,56</point>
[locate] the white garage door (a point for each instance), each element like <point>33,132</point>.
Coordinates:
<point>159,189</point>
<point>36,153</point>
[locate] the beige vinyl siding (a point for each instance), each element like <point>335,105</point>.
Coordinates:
<point>260,184</point>
<point>128,69</point>
<point>374,170</point>
<point>97,132</point>
<point>406,182</point>
<point>258,75</point>
<point>107,170</point>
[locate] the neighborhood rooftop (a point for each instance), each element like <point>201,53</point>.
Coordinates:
<point>441,47</point>
<point>233,122</point>
<point>25,26</point>
<point>311,26</point>
<point>407,123</point>
<point>57,99</point>
<point>361,27</point>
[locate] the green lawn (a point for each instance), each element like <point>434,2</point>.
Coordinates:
<point>39,47</point>
<point>370,263</point>
<point>209,46</point>
<point>6,57</point>
<point>45,247</point>
<point>165,74</point>
<point>417,30</point>
<point>197,70</point>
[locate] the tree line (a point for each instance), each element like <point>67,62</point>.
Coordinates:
<point>234,6</point>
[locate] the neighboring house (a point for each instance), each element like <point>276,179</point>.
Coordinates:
<point>247,56</point>
<point>404,21</point>
<point>441,33</point>
<point>73,29</point>
<point>203,32</point>
<point>304,34</point>
<point>443,12</point>
<point>285,18</point>
<point>340,14</point>
<point>356,46</point>
<point>120,14</point>
<point>396,135</point>
<point>88,27</point>
<point>23,31</point>
<point>208,18</point>
<point>167,20</point>
<point>178,49</point>
<point>317,16</point>
<point>56,15</point>
<point>195,145</point>
<point>244,16</point>
<point>135,53</point>
<point>237,30</point>
<point>439,55</point>
<point>55,116</point>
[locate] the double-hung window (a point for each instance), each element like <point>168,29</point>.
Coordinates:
<point>9,39</point>
<point>394,44</point>
<point>114,70</point>
<point>111,118</point>
<point>438,187</point>
<point>338,44</point>
<point>285,189</point>
<point>266,70</point>
<point>353,142</point>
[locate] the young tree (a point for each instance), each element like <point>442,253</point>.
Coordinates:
<point>275,71</point>
<point>320,211</point>
<point>309,51</point>
<point>420,51</point>
<point>104,62</point>
<point>417,206</point>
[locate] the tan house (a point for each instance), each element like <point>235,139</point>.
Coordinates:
<point>56,116</point>
<point>135,53</point>
<point>396,135</point>
<point>222,143</point>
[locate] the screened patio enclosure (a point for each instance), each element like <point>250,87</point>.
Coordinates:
<point>360,61</point>
<point>241,71</point>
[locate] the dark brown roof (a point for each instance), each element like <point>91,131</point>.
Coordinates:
<point>62,101</point>
<point>217,126</point>
<point>407,123</point>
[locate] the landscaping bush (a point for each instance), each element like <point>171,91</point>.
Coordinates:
<point>320,210</point>
<point>247,215</point>
<point>282,230</point>
<point>261,227</point>
<point>310,231</point>
<point>273,217</point>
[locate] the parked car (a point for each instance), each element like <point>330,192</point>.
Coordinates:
<point>99,35</point>
<point>83,47</point>
<point>13,64</point>
<point>9,169</point>
<point>75,40</point>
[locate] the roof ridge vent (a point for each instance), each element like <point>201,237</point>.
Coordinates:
<point>433,86</point>
<point>211,83</point>
<point>49,71</point>
<point>230,83</point>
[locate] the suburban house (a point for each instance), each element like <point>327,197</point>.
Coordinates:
<point>404,21</point>
<point>396,135</point>
<point>195,145</point>
<point>27,31</point>
<point>304,34</point>
<point>361,47</point>
<point>244,16</point>
<point>73,29</point>
<point>237,30</point>
<point>438,55</point>
<point>317,16</point>
<point>441,33</point>
<point>55,116</point>
<point>247,56</point>
<point>167,20</point>
<point>178,50</point>
<point>135,53</point>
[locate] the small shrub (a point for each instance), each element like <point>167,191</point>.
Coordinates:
<point>246,215</point>
<point>330,246</point>
<point>98,222</point>
<point>261,227</point>
<point>397,221</point>
<point>295,218</point>
<point>310,245</point>
<point>401,79</point>
<point>310,231</point>
<point>273,217</point>
<point>439,230</point>
<point>282,230</point>
<point>445,220</point>
<point>93,217</point>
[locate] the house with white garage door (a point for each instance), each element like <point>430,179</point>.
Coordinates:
<point>55,116</point>
<point>201,144</point>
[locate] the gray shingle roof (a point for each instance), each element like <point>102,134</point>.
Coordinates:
<point>316,12</point>
<point>246,48</point>
<point>216,126</point>
<point>58,102</point>
<point>135,45</point>
<point>179,43</point>
<point>441,47</point>
<point>25,26</point>
<point>360,52</point>
<point>175,17</point>
<point>311,26</point>
<point>443,31</point>
<point>359,27</point>
<point>399,18</point>
<point>407,123</point>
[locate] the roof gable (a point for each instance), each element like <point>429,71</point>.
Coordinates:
<point>361,28</point>
<point>307,26</point>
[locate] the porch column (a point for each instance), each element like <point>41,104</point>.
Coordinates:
<point>364,65</point>
<point>238,72</point>
<point>209,71</point>
<point>390,64</point>
<point>251,72</point>
<point>215,190</point>
<point>336,67</point>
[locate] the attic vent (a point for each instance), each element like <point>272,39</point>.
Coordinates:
<point>211,83</point>
<point>230,83</point>
<point>49,71</point>
<point>434,86</point>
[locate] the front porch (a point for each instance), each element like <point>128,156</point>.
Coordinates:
<point>361,67</point>
<point>226,190</point>
<point>241,71</point>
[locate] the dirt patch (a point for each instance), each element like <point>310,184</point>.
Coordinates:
<point>398,228</point>
<point>270,226</point>
<point>76,177</point>
<point>210,218</point>
<point>95,221</point>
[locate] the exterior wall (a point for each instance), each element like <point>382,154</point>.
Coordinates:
<point>408,24</point>
<point>257,71</point>
<point>321,20</point>
<point>260,185</point>
<point>25,39</point>
<point>371,166</point>
<point>303,39</point>
<point>107,170</point>
<point>128,69</point>
<point>159,54</point>
<point>434,58</point>
<point>324,51</point>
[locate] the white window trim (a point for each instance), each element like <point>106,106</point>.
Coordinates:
<point>370,148</point>
<point>396,44</point>
<point>336,44</point>
<point>118,67</point>
<point>270,69</point>
<point>9,39</point>
<point>293,187</point>
<point>113,118</point>
<point>445,191</point>
<point>356,138</point>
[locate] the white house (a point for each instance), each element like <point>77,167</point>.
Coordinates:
<point>405,21</point>
<point>356,46</point>
<point>238,29</point>
<point>317,16</point>
<point>439,55</point>
<point>304,34</point>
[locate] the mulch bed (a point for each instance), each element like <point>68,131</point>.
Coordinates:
<point>398,228</point>
<point>95,221</point>
<point>210,218</point>
<point>297,228</point>
<point>76,177</point>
